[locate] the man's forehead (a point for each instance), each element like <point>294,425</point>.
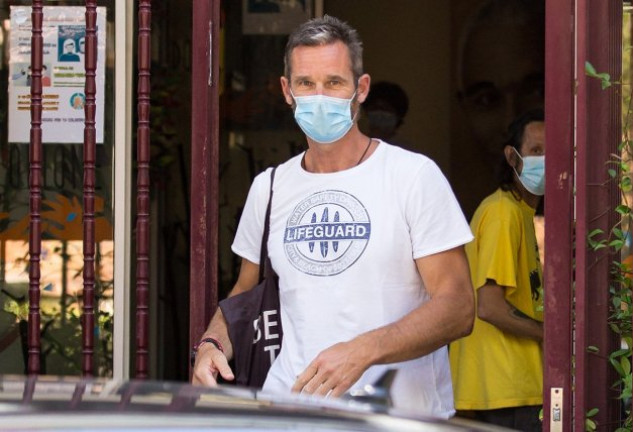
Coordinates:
<point>334,55</point>
<point>529,82</point>
<point>326,76</point>
<point>502,55</point>
<point>534,134</point>
<point>535,128</point>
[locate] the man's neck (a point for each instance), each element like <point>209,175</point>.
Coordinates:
<point>341,155</point>
<point>529,198</point>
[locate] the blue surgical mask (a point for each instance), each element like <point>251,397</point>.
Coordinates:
<point>324,119</point>
<point>532,175</point>
<point>382,120</point>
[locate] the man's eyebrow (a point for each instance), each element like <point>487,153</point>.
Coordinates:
<point>539,75</point>
<point>337,77</point>
<point>300,78</point>
<point>534,77</point>
<point>477,87</point>
<point>328,78</point>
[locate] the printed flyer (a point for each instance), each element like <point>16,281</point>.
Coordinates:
<point>63,74</point>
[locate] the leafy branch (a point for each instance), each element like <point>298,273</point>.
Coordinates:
<point>619,240</point>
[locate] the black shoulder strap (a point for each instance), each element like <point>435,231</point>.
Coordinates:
<point>263,255</point>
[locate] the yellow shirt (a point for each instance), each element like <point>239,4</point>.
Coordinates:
<point>492,369</point>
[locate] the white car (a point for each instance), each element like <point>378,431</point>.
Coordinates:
<point>44,403</point>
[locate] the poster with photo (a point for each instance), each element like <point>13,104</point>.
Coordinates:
<point>491,87</point>
<point>63,74</point>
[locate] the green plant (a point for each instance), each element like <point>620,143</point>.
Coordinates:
<point>60,336</point>
<point>618,240</point>
<point>590,425</point>
<point>60,326</point>
<point>605,78</point>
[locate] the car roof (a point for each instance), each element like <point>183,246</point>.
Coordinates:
<point>42,403</point>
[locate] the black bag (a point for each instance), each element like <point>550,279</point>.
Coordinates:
<point>254,319</point>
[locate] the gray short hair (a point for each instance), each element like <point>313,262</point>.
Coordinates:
<point>325,31</point>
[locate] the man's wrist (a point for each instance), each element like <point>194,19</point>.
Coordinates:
<point>206,340</point>
<point>367,349</point>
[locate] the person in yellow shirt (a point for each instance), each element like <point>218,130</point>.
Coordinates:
<point>498,370</point>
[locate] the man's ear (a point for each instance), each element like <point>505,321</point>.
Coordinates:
<point>364,83</point>
<point>285,88</point>
<point>511,156</point>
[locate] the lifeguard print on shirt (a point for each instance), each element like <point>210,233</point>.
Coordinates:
<point>326,233</point>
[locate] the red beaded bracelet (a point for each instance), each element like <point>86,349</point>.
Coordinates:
<point>210,340</point>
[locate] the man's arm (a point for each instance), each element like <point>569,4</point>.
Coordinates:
<point>447,316</point>
<point>210,361</point>
<point>493,308</point>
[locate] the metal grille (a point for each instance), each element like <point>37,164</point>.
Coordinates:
<point>35,185</point>
<point>89,150</point>
<point>88,321</point>
<point>143,156</point>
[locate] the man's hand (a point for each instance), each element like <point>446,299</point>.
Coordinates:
<point>210,362</point>
<point>447,316</point>
<point>333,371</point>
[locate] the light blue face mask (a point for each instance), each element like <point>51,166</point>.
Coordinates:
<point>383,120</point>
<point>532,175</point>
<point>324,119</point>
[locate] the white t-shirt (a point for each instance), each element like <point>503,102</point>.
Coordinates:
<point>343,245</point>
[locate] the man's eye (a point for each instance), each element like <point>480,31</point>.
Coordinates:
<point>531,97</point>
<point>533,88</point>
<point>485,99</point>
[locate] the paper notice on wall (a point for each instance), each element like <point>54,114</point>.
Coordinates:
<point>63,74</point>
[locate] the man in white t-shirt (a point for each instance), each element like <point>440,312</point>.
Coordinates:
<point>367,239</point>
